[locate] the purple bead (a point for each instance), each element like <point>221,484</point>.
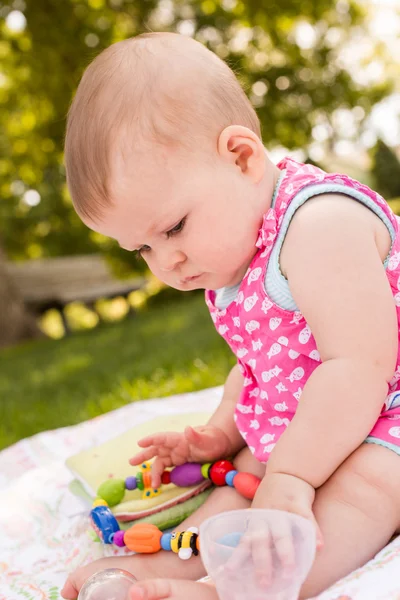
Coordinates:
<point>187,475</point>
<point>130,483</point>
<point>118,539</point>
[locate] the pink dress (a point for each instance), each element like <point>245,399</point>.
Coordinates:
<point>275,348</point>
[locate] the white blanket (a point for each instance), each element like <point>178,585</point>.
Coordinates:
<point>43,528</point>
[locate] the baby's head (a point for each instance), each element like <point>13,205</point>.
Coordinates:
<point>164,154</point>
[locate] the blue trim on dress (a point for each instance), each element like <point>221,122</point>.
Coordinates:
<point>378,442</point>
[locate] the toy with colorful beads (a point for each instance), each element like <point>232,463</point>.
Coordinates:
<point>147,538</point>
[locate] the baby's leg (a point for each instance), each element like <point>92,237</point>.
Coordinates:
<point>358,510</point>
<point>155,589</point>
<point>166,564</point>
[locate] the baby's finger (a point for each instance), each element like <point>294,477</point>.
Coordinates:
<point>240,554</point>
<point>282,540</point>
<point>160,589</point>
<point>143,456</point>
<point>195,437</point>
<point>261,552</point>
<point>167,439</point>
<point>157,469</point>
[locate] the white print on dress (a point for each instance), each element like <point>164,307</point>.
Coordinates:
<point>298,394</point>
<point>268,375</point>
<point>283,340</point>
<point>241,352</point>
<point>394,261</point>
<point>252,326</point>
<point>223,329</point>
<point>296,375</point>
<point>274,350</point>
<point>237,338</point>
<point>278,421</point>
<point>314,354</point>
<point>293,354</point>
<point>258,409</point>
<point>266,305</point>
<point>268,449</point>
<point>274,323</point>
<point>252,363</point>
<point>254,424</point>
<point>254,393</point>
<point>281,388</point>
<point>250,302</point>
<point>267,437</point>
<point>257,345</point>
<point>254,275</point>
<point>297,316</point>
<point>244,409</point>
<point>304,335</point>
<point>239,298</point>
<point>236,321</point>
<point>281,407</point>
<point>395,432</point>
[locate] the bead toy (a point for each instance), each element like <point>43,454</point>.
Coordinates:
<point>146,538</point>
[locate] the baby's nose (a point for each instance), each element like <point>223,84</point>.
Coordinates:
<point>171,261</point>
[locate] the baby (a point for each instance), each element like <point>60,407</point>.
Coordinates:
<point>302,277</point>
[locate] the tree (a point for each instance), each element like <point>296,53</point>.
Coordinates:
<point>286,52</point>
<point>386,170</point>
<point>16,323</point>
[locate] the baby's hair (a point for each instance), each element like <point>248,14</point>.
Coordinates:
<point>153,89</point>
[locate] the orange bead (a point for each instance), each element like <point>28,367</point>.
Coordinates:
<point>246,484</point>
<point>143,538</point>
<point>147,479</point>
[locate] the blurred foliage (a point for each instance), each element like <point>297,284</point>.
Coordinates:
<point>52,383</point>
<point>386,170</point>
<point>286,52</point>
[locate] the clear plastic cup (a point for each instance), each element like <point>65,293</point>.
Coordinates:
<point>110,584</point>
<point>257,554</point>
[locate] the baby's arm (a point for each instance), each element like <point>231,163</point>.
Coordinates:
<point>333,259</point>
<point>223,416</point>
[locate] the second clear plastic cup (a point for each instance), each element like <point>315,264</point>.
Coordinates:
<point>258,554</point>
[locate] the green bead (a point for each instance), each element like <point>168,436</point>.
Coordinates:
<point>139,480</point>
<point>112,491</point>
<point>204,470</point>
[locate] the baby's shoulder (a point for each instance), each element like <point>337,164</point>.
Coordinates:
<point>337,218</point>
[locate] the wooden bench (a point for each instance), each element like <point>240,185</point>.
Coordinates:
<point>56,282</point>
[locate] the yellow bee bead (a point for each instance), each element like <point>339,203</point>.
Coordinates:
<point>99,502</point>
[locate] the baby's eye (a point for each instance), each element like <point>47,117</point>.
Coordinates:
<point>177,228</point>
<point>143,249</point>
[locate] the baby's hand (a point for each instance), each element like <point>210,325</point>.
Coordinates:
<point>78,577</point>
<point>203,444</point>
<point>270,544</point>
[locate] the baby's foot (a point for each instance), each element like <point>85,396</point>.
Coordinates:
<point>175,589</point>
<point>75,581</point>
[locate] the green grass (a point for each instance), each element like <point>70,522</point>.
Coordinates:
<point>161,351</point>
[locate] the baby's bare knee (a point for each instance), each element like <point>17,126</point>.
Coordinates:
<point>370,481</point>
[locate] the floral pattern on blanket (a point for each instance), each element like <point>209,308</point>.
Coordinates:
<point>44,527</point>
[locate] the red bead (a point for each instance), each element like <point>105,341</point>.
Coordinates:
<point>246,484</point>
<point>166,477</point>
<point>219,470</point>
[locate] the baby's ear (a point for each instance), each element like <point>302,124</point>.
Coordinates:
<point>240,146</point>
